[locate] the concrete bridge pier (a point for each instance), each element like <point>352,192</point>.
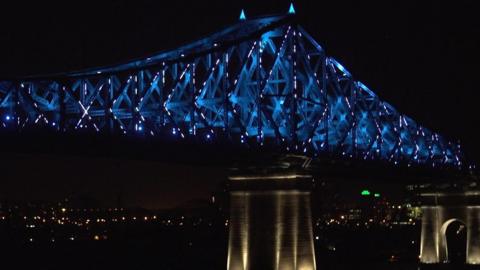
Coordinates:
<point>270,225</point>
<point>439,211</point>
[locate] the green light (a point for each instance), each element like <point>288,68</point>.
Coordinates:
<point>377,195</point>
<point>365,192</point>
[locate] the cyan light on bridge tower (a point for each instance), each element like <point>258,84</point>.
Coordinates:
<point>242,16</point>
<point>291,10</point>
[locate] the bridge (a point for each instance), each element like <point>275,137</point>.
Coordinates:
<point>263,82</point>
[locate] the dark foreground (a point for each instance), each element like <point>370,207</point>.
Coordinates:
<point>204,247</point>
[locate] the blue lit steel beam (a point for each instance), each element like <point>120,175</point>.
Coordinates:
<point>260,82</point>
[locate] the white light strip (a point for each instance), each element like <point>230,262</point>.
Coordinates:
<point>269,177</point>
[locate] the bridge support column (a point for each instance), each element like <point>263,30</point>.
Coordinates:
<point>439,211</point>
<point>270,225</point>
<point>430,235</point>
<point>473,235</point>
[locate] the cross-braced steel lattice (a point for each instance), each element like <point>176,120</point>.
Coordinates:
<point>262,81</point>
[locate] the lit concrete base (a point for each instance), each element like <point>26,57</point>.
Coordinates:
<point>435,220</point>
<point>270,229</point>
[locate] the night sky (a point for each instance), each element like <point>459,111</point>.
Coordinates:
<point>421,56</point>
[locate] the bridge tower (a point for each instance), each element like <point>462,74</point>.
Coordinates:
<point>439,211</point>
<point>270,225</point>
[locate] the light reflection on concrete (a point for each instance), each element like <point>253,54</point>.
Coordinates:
<point>435,221</point>
<point>270,230</point>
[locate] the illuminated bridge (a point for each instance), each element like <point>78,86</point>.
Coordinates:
<point>262,81</point>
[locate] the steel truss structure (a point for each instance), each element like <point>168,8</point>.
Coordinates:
<point>261,81</point>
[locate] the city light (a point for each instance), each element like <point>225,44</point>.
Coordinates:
<point>365,192</point>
